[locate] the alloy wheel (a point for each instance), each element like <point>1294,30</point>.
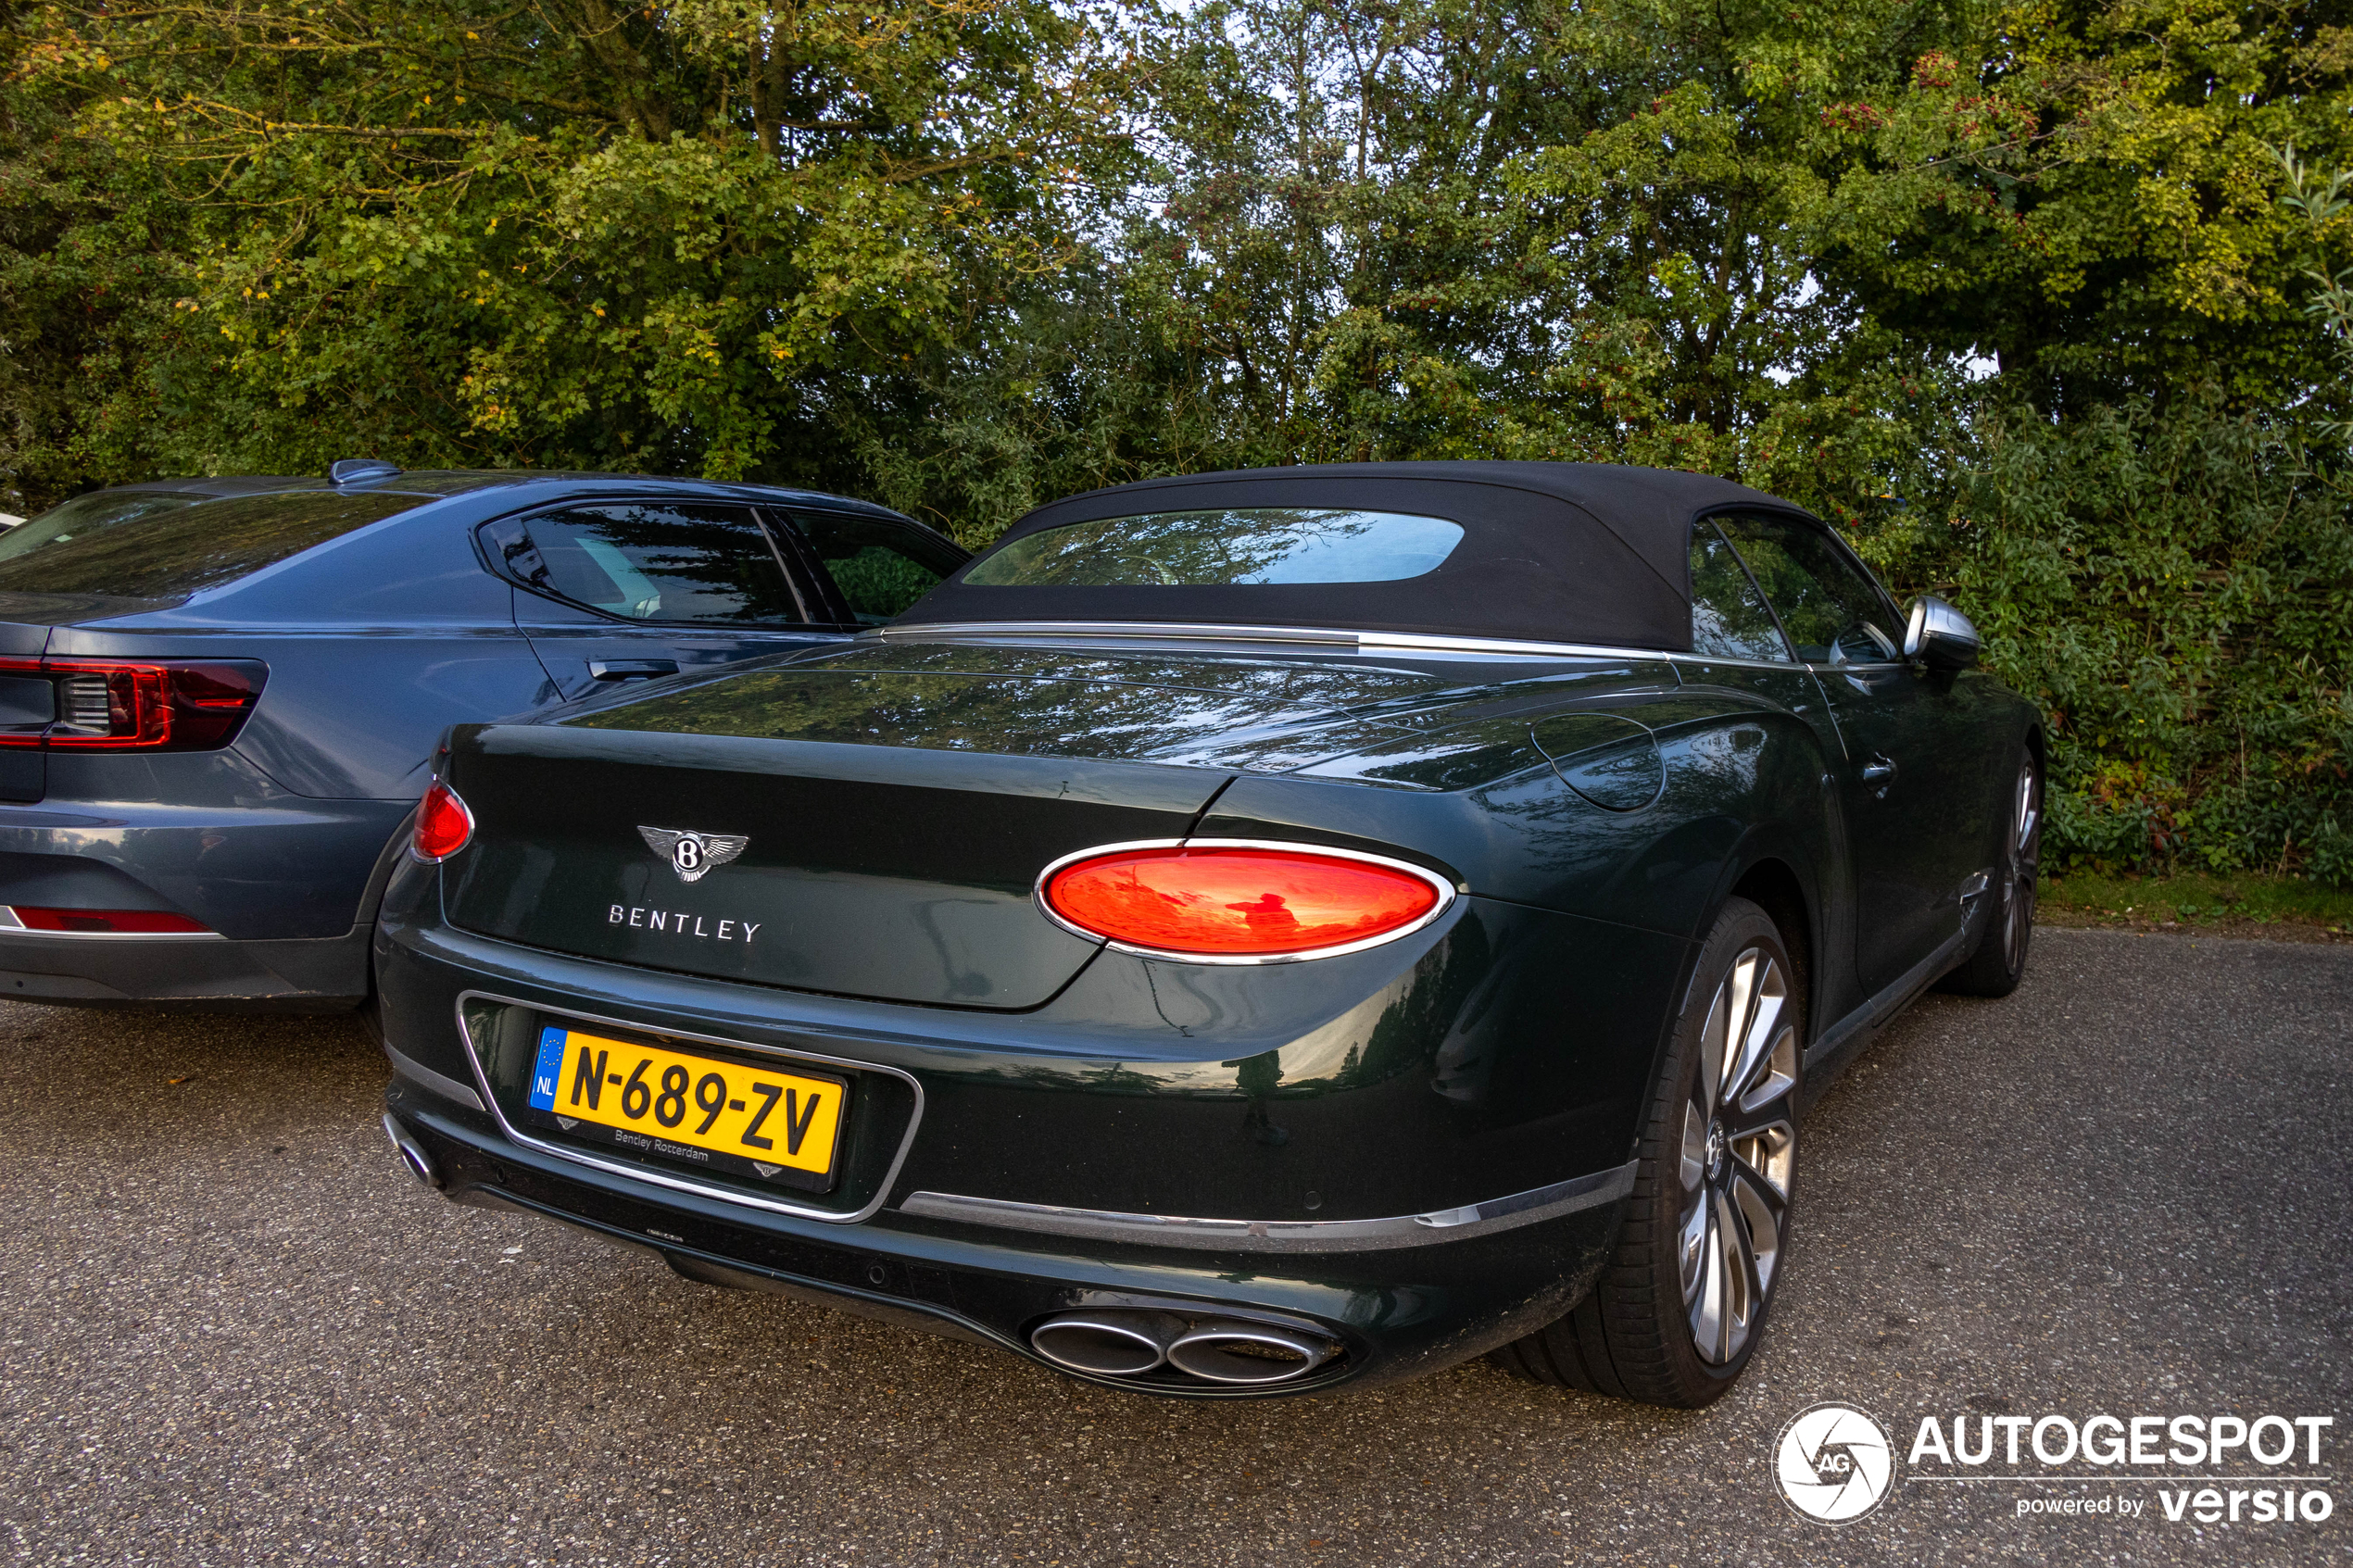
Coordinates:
<point>1740,1149</point>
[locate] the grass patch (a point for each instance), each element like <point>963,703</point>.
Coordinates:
<point>2194,898</point>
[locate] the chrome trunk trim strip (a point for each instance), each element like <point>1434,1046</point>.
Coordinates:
<point>1314,636</point>
<point>1286,1236</point>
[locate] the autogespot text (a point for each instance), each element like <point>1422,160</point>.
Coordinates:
<point>2212,1469</point>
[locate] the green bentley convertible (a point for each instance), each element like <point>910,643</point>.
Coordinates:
<point>1246,934</point>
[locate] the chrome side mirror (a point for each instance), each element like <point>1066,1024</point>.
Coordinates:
<point>1940,636</point>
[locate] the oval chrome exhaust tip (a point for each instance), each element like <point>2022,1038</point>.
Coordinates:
<point>1248,1352</point>
<point>1109,1344</point>
<point>412,1153</point>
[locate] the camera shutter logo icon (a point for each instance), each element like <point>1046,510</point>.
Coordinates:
<point>1833,1463</point>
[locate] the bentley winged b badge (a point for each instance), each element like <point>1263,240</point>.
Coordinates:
<point>691,854</point>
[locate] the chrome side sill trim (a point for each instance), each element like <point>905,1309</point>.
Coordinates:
<point>439,1082</point>
<point>1286,1236</point>
<point>663,1178</point>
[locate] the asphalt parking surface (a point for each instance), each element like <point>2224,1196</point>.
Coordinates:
<point>231,1330</point>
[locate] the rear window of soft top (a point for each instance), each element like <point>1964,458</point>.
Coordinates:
<point>161,544</point>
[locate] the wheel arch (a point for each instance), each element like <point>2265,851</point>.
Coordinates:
<point>1772,885</point>
<point>1768,869</point>
<point>2031,735</point>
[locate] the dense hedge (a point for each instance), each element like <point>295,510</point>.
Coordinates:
<point>2176,592</point>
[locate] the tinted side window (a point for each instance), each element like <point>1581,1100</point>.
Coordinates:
<point>1834,614</point>
<point>1729,618</point>
<point>655,560</point>
<point>880,567</point>
<point>161,547</point>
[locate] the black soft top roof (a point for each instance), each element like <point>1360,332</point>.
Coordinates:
<point>1560,552</point>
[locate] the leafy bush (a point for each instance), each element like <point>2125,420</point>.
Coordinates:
<point>2176,589</point>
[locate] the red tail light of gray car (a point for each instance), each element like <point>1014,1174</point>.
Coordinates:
<point>138,705</point>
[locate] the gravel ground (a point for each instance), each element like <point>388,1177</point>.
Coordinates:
<point>232,1331</point>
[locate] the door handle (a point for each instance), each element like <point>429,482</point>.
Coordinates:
<point>630,669</point>
<point>1879,770</point>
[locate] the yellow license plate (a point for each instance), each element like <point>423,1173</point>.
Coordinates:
<point>781,1127</point>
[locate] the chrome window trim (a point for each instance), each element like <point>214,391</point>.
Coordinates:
<point>1285,1235</point>
<point>1411,640</point>
<point>1364,642</point>
<point>1849,668</point>
<point>663,1178</point>
<point>1783,665</point>
<point>1445,890</point>
<point>1205,632</point>
<point>1191,631</point>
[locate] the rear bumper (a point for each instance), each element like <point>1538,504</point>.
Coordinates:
<point>1398,1312</point>
<point>326,974</point>
<point>281,881</point>
<point>1424,1276</point>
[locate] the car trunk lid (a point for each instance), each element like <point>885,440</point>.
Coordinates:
<point>893,873</point>
<point>873,823</point>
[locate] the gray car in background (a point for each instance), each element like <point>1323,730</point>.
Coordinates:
<point>219,699</point>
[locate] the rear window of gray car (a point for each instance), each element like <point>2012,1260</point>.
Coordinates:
<point>106,544</point>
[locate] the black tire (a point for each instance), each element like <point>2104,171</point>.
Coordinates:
<point>1999,961</point>
<point>1638,1334</point>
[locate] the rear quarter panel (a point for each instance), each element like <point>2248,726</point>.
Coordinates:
<point>1742,779</point>
<point>376,642</point>
<point>1525,1039</point>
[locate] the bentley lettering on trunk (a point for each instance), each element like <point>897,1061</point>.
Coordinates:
<point>709,927</point>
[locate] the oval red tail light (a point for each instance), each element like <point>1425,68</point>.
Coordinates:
<point>1241,903</point>
<point>443,824</point>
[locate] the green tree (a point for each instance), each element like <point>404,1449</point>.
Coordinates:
<point>2088,191</point>
<point>564,234</point>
